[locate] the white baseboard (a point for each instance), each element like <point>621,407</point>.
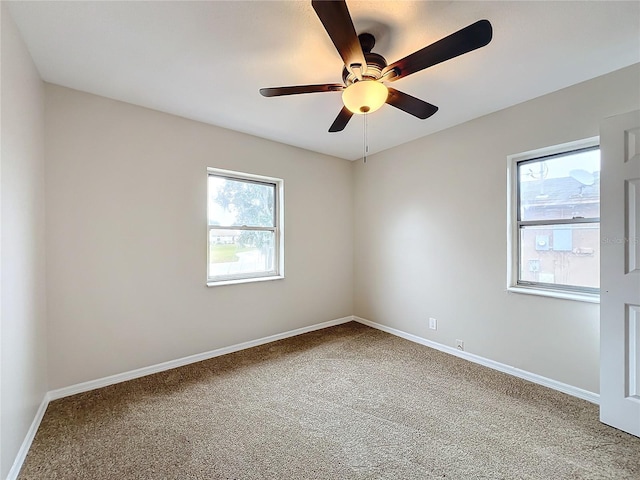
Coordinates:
<point>501,367</point>
<point>180,362</point>
<point>141,372</point>
<point>28,439</point>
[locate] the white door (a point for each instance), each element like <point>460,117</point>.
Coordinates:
<point>620,272</point>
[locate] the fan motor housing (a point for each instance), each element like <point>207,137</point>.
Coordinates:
<point>375,62</point>
<point>375,65</point>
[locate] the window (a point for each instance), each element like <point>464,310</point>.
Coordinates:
<point>244,237</point>
<point>554,224</point>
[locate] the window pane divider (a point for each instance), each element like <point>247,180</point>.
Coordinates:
<point>564,221</point>
<point>558,287</point>
<point>243,227</point>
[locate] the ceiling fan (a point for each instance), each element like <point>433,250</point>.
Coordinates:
<point>365,72</point>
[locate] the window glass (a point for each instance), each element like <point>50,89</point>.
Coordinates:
<point>561,255</point>
<point>556,219</point>
<point>560,187</point>
<point>233,252</point>
<point>238,202</point>
<point>244,234</point>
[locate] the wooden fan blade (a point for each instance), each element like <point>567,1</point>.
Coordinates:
<point>336,20</point>
<point>341,120</point>
<point>412,105</point>
<point>295,90</point>
<point>469,38</point>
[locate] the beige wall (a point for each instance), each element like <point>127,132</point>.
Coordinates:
<point>126,238</point>
<point>430,223</point>
<point>23,380</point>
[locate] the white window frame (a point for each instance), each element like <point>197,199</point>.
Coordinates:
<point>513,226</point>
<point>278,229</point>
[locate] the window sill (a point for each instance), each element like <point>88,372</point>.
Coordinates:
<point>244,280</point>
<point>542,292</point>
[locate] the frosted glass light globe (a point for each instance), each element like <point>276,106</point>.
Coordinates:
<point>365,96</point>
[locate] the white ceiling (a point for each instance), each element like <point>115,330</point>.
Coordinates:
<point>207,60</point>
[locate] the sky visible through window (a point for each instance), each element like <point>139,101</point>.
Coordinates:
<point>574,165</point>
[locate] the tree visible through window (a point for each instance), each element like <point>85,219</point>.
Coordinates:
<point>557,220</point>
<point>244,234</point>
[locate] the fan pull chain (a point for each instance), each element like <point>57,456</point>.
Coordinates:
<point>365,137</point>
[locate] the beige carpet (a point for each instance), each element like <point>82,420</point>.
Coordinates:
<point>348,402</point>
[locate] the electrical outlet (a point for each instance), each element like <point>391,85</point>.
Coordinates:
<point>460,345</point>
<point>433,323</point>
